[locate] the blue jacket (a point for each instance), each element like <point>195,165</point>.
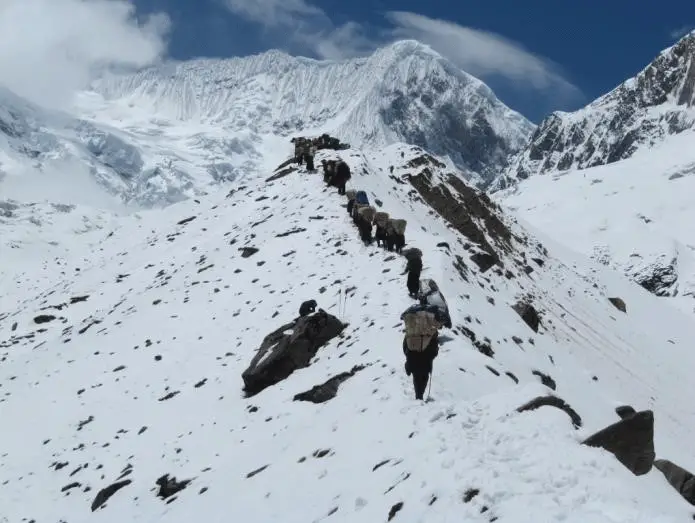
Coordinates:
<point>361,197</point>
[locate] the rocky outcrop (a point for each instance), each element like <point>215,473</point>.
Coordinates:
<point>552,401</point>
<point>247,252</point>
<point>619,304</point>
<point>328,390</point>
<point>545,379</point>
<point>169,486</point>
<point>641,112</point>
<point>659,277</point>
<point>104,494</point>
<point>289,348</point>
<point>679,478</point>
<point>281,173</point>
<point>467,210</point>
<point>630,440</point>
<point>529,314</point>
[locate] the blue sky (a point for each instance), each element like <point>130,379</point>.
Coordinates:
<point>538,55</point>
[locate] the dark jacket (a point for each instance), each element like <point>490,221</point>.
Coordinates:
<point>414,265</point>
<point>342,172</point>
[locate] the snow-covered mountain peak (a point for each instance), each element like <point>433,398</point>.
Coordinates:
<point>639,113</point>
<point>403,92</point>
<point>180,129</point>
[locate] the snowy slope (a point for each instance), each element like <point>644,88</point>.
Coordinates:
<point>142,377</point>
<point>38,239</point>
<point>404,92</point>
<point>635,215</point>
<point>639,113</point>
<point>57,157</point>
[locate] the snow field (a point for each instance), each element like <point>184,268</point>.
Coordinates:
<point>205,309</point>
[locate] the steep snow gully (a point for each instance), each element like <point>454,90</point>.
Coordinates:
<point>120,382</point>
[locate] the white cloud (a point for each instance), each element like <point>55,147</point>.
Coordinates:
<point>679,33</point>
<point>274,13</point>
<point>342,42</point>
<point>481,53</point>
<point>51,48</point>
<point>305,26</point>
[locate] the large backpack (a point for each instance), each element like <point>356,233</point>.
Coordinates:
<point>367,213</point>
<point>356,208</point>
<point>413,252</point>
<point>399,226</point>
<point>361,197</point>
<point>421,326</point>
<point>381,218</point>
<point>343,170</point>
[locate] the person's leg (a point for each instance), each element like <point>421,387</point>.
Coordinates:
<point>420,383</point>
<point>413,282</point>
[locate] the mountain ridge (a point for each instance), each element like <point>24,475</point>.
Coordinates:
<point>640,112</point>
<point>403,92</point>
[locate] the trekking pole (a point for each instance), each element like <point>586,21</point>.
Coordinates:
<point>429,389</point>
<point>340,299</point>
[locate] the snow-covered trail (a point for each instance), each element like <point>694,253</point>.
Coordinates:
<point>174,314</point>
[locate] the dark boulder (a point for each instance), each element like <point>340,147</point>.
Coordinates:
<point>552,401</point>
<point>286,163</point>
<point>281,174</point>
<point>679,478</point>
<point>625,411</point>
<point>660,277</point>
<point>44,318</point>
<point>529,314</point>
<point>630,440</point>
<point>484,261</point>
<point>170,486</point>
<point>248,251</point>
<point>619,304</point>
<point>289,348</point>
<point>329,389</point>
<point>104,494</point>
<point>545,379</point>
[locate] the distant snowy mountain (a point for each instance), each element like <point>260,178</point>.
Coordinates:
<point>58,157</point>
<point>640,113</point>
<point>179,130</point>
<point>404,92</point>
<point>120,366</point>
